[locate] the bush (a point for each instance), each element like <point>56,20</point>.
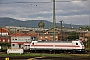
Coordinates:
<point>4,46</point>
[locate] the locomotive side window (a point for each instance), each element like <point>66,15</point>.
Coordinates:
<point>76,43</point>
<point>13,44</point>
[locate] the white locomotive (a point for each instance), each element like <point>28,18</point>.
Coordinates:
<point>0,48</point>
<point>71,46</point>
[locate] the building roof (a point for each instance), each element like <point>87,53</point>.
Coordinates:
<point>23,34</point>
<point>3,30</point>
<point>88,34</point>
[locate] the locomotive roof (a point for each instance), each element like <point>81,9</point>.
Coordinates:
<point>55,41</point>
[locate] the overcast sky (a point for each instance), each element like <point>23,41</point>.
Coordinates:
<point>74,12</point>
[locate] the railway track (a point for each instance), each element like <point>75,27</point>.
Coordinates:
<point>58,52</point>
<point>42,58</point>
<point>50,52</point>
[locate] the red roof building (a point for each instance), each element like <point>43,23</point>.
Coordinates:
<point>4,35</point>
<point>22,40</point>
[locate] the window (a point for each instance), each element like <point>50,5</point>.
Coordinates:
<point>56,37</point>
<point>28,45</point>
<point>19,45</point>
<point>41,37</point>
<point>52,32</point>
<point>46,37</point>
<point>76,43</point>
<point>51,36</point>
<point>31,38</point>
<point>3,40</point>
<point>34,38</point>
<point>8,40</point>
<point>13,44</point>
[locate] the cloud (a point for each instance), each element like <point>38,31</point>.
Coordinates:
<point>70,12</point>
<point>75,19</point>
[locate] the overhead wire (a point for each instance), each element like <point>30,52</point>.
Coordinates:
<point>15,2</point>
<point>42,2</point>
<point>23,2</point>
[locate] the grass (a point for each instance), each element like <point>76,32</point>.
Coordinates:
<point>88,48</point>
<point>34,54</point>
<point>47,55</point>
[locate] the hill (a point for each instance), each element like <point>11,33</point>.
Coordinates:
<point>30,23</point>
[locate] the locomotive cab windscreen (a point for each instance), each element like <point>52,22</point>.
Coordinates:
<point>82,45</point>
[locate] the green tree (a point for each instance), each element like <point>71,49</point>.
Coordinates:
<point>88,43</point>
<point>73,35</point>
<point>5,45</point>
<point>85,28</point>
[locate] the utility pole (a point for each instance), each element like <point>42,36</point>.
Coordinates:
<point>61,29</point>
<point>1,32</point>
<point>54,20</point>
<point>89,38</point>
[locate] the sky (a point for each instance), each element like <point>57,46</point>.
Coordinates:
<point>72,12</point>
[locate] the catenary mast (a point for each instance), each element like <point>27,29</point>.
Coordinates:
<point>54,20</point>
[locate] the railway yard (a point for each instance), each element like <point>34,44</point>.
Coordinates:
<point>27,31</point>
<point>41,51</point>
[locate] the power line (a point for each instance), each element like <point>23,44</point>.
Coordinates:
<point>32,2</point>
<point>78,0</point>
<point>23,2</point>
<point>43,2</point>
<point>70,0</point>
<point>62,1</point>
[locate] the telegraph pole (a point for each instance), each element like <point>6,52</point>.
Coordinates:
<point>89,30</point>
<point>61,29</point>
<point>54,20</point>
